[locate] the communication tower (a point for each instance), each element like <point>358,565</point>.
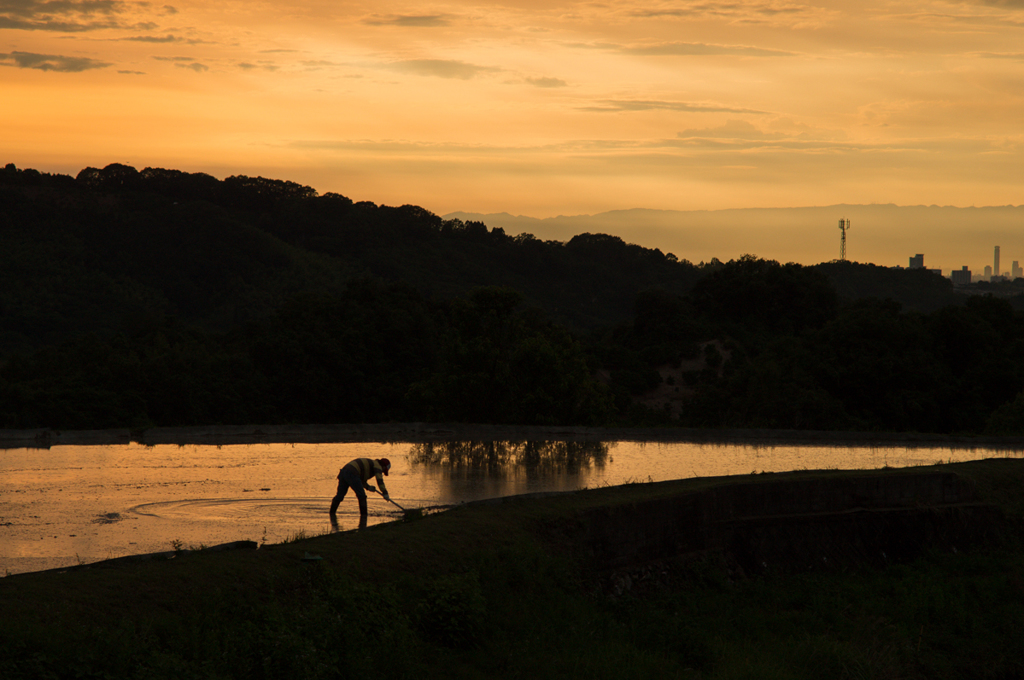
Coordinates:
<point>844,224</point>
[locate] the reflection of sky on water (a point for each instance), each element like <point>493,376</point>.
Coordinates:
<point>68,504</point>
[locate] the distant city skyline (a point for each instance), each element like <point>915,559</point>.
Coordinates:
<point>989,272</point>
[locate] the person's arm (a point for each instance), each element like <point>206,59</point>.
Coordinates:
<point>383,489</point>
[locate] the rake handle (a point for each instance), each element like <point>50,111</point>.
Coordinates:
<point>391,501</point>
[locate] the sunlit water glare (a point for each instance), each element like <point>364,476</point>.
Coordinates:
<point>78,504</point>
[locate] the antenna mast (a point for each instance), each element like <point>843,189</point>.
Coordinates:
<point>844,224</point>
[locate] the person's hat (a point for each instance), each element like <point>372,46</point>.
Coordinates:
<point>385,464</point>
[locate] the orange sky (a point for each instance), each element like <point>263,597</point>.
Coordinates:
<point>530,107</point>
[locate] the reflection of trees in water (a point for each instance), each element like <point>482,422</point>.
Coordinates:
<point>535,456</point>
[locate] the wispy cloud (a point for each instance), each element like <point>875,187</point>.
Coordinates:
<point>732,129</point>
<point>547,82</point>
<point>1014,4</point>
<point>67,16</point>
<point>442,68</point>
<point>409,20</point>
<point>967,15</point>
<point>729,9</point>
<point>739,135</point>
<point>448,148</point>
<point>50,62</point>
<point>1013,56</point>
<point>185,62</point>
<point>266,66</point>
<point>729,142</point>
<point>317,64</point>
<point>624,105</point>
<point>155,38</point>
<point>32,8</point>
<point>683,49</point>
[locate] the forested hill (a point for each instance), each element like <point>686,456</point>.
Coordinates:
<point>157,297</point>
<point>114,245</point>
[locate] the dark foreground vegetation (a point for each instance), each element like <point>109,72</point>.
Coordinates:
<point>164,298</point>
<point>510,591</point>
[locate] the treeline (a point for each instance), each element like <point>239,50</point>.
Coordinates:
<point>156,297</point>
<point>798,357</point>
<point>99,251</point>
<point>370,354</point>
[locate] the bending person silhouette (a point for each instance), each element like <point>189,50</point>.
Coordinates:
<point>355,475</point>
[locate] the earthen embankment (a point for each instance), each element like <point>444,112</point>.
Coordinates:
<point>798,524</point>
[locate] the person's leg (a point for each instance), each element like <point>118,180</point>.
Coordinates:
<point>340,495</point>
<point>356,482</point>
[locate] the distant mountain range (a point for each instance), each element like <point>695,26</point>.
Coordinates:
<point>888,235</point>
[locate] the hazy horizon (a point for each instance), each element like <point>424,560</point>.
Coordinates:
<point>886,235</point>
<point>950,237</point>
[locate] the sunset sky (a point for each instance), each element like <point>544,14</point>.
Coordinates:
<point>530,107</point>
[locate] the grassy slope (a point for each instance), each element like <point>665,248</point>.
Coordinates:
<point>483,592</point>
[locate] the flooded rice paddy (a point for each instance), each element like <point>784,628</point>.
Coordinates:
<point>70,505</point>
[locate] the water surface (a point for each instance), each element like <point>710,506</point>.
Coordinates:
<point>77,504</point>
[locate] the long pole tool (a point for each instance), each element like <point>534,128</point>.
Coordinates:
<point>391,501</point>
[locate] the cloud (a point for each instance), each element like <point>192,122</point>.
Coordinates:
<point>165,39</point>
<point>409,20</point>
<point>455,149</point>
<point>155,38</point>
<point>1014,56</point>
<point>67,16</point>
<point>621,105</point>
<point>729,9</point>
<point>1013,4</point>
<point>741,136</point>
<point>969,16</point>
<point>547,82</point>
<point>732,143</point>
<point>32,8</point>
<point>442,68</point>
<point>50,62</point>
<point>266,66</point>
<point>732,129</point>
<point>701,49</point>
<point>317,64</point>
<point>133,73</point>
<point>685,49</point>
<point>185,62</point>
